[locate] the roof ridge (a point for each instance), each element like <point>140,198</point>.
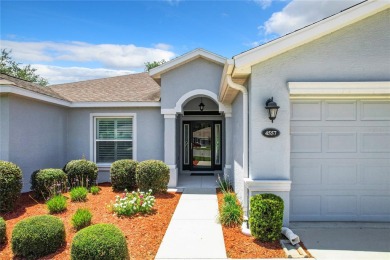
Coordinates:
<point>90,80</point>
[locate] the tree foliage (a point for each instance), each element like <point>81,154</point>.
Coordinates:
<point>10,67</point>
<point>153,64</point>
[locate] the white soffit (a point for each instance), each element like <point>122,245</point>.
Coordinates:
<point>375,89</point>
<point>185,58</point>
<point>245,60</point>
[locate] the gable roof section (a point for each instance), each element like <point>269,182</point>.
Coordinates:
<point>185,58</point>
<point>245,60</point>
<point>129,88</point>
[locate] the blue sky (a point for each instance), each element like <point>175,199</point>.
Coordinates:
<point>78,40</point>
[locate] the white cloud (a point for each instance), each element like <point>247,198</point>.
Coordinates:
<point>299,13</point>
<point>263,3</point>
<point>57,74</point>
<point>111,56</point>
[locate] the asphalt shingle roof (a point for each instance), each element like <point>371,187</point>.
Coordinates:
<point>138,87</point>
<point>9,80</point>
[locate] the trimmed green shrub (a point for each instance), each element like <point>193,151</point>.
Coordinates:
<point>100,241</point>
<point>152,174</point>
<point>3,228</point>
<point>266,216</point>
<point>37,236</point>
<point>123,175</point>
<point>47,183</point>
<point>94,190</point>
<point>10,185</point>
<point>78,194</point>
<point>56,204</point>
<point>81,173</point>
<point>231,213</point>
<point>81,219</point>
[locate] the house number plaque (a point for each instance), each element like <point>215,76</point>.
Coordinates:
<point>271,132</point>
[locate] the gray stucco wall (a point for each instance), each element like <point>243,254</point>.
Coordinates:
<point>150,133</point>
<point>359,52</point>
<point>197,74</point>
<point>37,135</point>
<point>4,127</point>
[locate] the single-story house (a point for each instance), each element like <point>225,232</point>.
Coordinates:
<point>327,152</point>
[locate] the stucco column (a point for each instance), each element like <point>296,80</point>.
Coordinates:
<point>170,147</point>
<point>228,147</point>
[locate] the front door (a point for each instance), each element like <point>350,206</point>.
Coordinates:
<point>202,149</point>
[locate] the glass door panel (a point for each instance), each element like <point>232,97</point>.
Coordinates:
<point>202,144</point>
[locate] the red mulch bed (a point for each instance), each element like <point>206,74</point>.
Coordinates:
<point>144,233</point>
<point>239,245</point>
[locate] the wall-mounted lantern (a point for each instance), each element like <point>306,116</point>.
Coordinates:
<point>272,109</point>
<point>201,105</point>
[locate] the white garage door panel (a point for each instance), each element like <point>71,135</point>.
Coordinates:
<point>340,160</point>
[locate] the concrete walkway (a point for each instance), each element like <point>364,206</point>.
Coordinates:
<point>193,232</point>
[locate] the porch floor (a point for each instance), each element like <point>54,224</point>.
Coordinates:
<point>187,181</point>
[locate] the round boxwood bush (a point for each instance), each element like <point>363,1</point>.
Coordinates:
<point>123,175</point>
<point>10,185</point>
<point>152,174</point>
<point>266,217</point>
<point>100,241</point>
<point>37,236</point>
<point>2,230</point>
<point>81,173</point>
<point>47,183</point>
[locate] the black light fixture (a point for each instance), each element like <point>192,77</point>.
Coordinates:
<point>201,105</point>
<point>272,108</point>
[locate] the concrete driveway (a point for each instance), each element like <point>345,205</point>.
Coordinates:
<point>345,240</point>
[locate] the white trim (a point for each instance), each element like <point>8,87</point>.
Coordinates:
<point>42,97</point>
<point>92,133</point>
<point>339,90</point>
<point>33,95</point>
<point>170,116</point>
<point>116,104</point>
<point>194,94</point>
<point>267,185</point>
<point>244,61</point>
<point>185,58</point>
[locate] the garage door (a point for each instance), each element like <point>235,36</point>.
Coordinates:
<point>340,160</point>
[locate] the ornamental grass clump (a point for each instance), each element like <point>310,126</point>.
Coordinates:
<point>94,190</point>
<point>122,173</point>
<point>81,219</point>
<point>231,213</point>
<point>266,216</point>
<point>10,185</point>
<point>100,241</point>
<point>78,194</point>
<point>132,203</point>
<point>2,231</point>
<point>37,236</point>
<point>56,204</point>
<point>47,183</point>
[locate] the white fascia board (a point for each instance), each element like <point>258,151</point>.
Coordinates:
<point>339,88</point>
<point>34,95</point>
<point>115,104</point>
<point>267,185</point>
<point>246,60</point>
<point>227,70</point>
<point>156,72</point>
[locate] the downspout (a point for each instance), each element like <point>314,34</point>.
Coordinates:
<point>245,121</point>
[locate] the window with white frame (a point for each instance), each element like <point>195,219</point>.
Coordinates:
<point>113,139</point>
